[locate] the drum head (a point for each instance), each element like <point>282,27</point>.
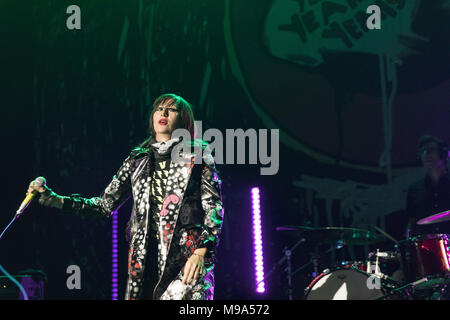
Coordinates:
<point>345,284</point>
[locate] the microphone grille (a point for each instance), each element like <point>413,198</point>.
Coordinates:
<point>40,181</point>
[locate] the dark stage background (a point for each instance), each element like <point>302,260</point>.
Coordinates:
<point>350,105</point>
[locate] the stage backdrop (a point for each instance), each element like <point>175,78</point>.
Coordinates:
<point>350,104</point>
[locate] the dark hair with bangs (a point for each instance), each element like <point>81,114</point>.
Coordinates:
<point>186,116</point>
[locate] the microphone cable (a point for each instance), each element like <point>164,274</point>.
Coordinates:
<point>24,293</point>
<point>1,235</point>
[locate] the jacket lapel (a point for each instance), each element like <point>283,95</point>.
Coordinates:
<point>179,174</point>
<point>141,181</point>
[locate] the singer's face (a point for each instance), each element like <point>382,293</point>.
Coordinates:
<point>165,119</point>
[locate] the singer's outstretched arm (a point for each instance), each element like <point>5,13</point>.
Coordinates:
<point>115,194</point>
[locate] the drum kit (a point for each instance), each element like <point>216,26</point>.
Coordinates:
<point>422,272</point>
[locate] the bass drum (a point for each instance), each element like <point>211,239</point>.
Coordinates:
<point>347,284</point>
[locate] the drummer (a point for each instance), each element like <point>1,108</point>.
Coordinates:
<point>431,194</point>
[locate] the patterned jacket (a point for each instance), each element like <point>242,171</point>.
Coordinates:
<point>191,218</point>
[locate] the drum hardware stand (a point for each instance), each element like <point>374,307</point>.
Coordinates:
<point>377,270</point>
<point>287,254</point>
<point>315,260</point>
<point>286,257</point>
<point>405,287</point>
<point>443,290</point>
<point>438,294</point>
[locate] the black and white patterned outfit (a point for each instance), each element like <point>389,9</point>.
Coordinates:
<point>159,172</point>
<point>190,217</point>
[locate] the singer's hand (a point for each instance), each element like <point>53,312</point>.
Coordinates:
<point>194,266</point>
<point>46,196</point>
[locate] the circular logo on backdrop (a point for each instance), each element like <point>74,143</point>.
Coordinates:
<point>338,91</point>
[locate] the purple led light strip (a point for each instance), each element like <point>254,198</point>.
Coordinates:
<point>257,241</point>
<point>114,260</point>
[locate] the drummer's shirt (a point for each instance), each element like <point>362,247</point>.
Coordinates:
<point>425,199</point>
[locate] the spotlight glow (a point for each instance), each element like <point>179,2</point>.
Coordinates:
<point>257,241</point>
<point>114,258</point>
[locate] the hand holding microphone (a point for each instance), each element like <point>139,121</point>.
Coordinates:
<point>47,197</point>
<point>36,186</point>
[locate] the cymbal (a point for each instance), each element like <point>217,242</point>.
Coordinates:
<point>435,218</point>
<point>351,236</point>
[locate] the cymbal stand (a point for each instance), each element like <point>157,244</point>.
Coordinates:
<point>315,260</point>
<point>286,257</point>
<point>287,254</point>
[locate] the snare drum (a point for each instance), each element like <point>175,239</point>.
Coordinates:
<point>360,265</point>
<point>347,283</point>
<point>428,255</point>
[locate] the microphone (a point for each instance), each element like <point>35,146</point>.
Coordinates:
<point>40,181</point>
